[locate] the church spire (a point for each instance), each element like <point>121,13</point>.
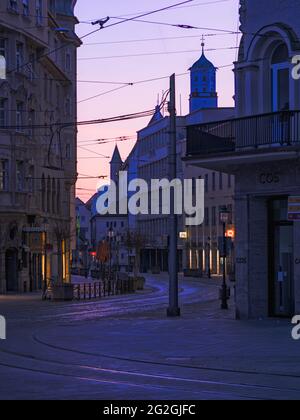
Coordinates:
<point>203,44</point>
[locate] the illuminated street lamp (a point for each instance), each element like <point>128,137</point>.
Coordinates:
<point>224,219</point>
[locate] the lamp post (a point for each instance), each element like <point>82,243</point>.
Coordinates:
<point>224,217</point>
<point>45,280</point>
<point>208,251</point>
<point>110,236</point>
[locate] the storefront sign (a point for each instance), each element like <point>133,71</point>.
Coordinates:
<point>294,208</point>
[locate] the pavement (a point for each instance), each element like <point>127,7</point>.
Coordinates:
<point>125,348</point>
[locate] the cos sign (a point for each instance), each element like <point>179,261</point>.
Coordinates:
<point>269,178</point>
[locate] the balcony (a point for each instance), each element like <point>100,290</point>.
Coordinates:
<point>248,135</point>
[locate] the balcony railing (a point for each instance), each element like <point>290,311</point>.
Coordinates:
<point>260,131</point>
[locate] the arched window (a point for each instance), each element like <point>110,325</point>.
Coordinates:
<point>280,55</point>
<point>49,195</point>
<point>43,189</point>
<point>280,78</point>
<point>53,196</point>
<point>58,197</point>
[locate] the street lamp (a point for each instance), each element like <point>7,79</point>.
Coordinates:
<point>224,218</point>
<point>110,236</point>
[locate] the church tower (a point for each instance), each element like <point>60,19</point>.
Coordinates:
<point>115,165</point>
<point>203,84</point>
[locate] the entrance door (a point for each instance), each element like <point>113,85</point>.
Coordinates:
<point>11,270</point>
<point>281,261</point>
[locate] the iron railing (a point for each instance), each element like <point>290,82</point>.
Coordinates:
<point>104,288</point>
<point>266,130</point>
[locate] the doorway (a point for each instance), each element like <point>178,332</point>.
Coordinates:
<point>281,259</point>
<point>11,270</point>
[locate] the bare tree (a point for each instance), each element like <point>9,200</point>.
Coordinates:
<point>135,241</point>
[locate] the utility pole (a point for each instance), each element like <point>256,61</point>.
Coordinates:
<point>173,309</point>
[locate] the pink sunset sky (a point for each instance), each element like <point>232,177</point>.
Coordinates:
<point>97,61</point>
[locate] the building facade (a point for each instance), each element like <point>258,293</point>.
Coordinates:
<point>153,163</point>
<point>37,152</point>
<point>261,148</point>
<point>197,246</point>
<point>111,229</point>
<point>81,255</point>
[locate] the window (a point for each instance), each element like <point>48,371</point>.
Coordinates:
<point>3,112</point>
<point>53,196</point>
<point>39,12</point>
<point>221,181</point>
<point>58,197</point>
<point>19,116</point>
<point>25,7</point>
<point>206,216</point>
<point>13,5</point>
<point>46,87</point>
<point>19,55</point>
<point>206,183</point>
<point>213,216</point>
<point>30,66</point>
<point>20,175</point>
<point>68,151</point>
<point>52,6</point>
<point>194,187</point>
<point>3,47</point>
<point>214,181</point>
<point>43,193</point>
<point>3,174</point>
<point>49,195</point>
<point>229,181</point>
<point>280,69</point>
<point>68,65</point>
<point>31,179</point>
<point>68,110</point>
<point>31,121</point>
<point>229,208</point>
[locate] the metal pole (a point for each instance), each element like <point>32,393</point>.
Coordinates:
<point>173,309</point>
<point>45,285</point>
<point>224,286</point>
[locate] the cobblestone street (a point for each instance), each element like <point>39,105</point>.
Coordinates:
<point>125,348</point>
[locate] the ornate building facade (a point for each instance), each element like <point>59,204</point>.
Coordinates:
<point>37,149</point>
<point>260,147</point>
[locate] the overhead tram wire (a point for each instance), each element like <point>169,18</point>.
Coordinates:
<point>88,21</point>
<point>95,31</point>
<point>176,25</point>
<point>155,53</point>
<point>66,124</point>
